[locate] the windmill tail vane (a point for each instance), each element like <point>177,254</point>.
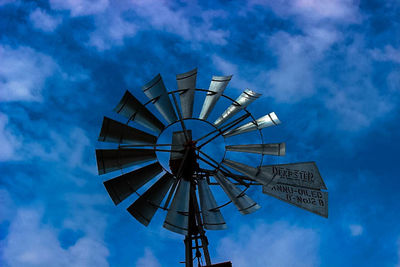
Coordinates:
<point>182,184</point>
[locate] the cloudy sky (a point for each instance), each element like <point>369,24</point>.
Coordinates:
<point>328,68</point>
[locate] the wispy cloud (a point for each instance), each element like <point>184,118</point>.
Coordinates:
<point>148,259</point>
<point>43,21</point>
<point>278,244</point>
<point>23,73</point>
<point>9,143</point>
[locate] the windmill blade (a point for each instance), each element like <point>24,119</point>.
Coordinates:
<point>245,99</point>
<point>315,201</point>
<point>132,109</point>
<point>217,87</point>
<point>116,132</point>
<point>266,121</point>
<point>277,149</point>
<point>251,172</point>
<point>123,186</point>
<point>243,203</point>
<point>178,141</point>
<point>109,160</point>
<point>178,214</point>
<point>212,217</point>
<point>155,89</point>
<point>144,208</point>
<point>304,174</point>
<point>187,81</point>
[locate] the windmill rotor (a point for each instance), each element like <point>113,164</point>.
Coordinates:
<point>185,177</point>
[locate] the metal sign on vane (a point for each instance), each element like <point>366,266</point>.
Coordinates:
<point>182,187</point>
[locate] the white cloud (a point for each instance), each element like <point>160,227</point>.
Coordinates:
<point>339,11</point>
<point>148,260</point>
<point>31,243</point>
<point>111,31</point>
<point>9,143</point>
<point>388,53</point>
<point>278,244</point>
<point>43,21</point>
<point>23,73</point>
<point>356,229</point>
<point>80,7</point>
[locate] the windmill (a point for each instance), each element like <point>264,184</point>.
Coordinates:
<point>185,177</point>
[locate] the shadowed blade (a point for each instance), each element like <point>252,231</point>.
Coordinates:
<point>116,132</point>
<point>109,160</point>
<point>243,203</point>
<point>212,217</point>
<point>266,121</point>
<point>315,201</point>
<point>245,99</point>
<point>123,186</point>
<point>144,208</point>
<point>217,87</point>
<point>251,172</point>
<point>277,149</point>
<point>155,89</point>
<point>178,215</point>
<point>132,109</point>
<point>187,81</point>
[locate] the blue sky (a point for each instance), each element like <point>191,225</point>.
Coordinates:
<point>328,68</point>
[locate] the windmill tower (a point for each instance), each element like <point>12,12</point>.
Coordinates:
<point>184,180</point>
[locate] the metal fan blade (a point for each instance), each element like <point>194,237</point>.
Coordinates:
<point>245,99</point>
<point>123,186</point>
<point>315,201</point>
<point>178,214</point>
<point>144,208</point>
<point>217,87</point>
<point>116,132</point>
<point>263,122</point>
<point>178,141</point>
<point>155,89</point>
<point>277,149</point>
<point>251,172</point>
<point>212,217</point>
<point>132,109</point>
<point>109,160</point>
<point>187,81</point>
<point>243,203</point>
<point>304,174</point>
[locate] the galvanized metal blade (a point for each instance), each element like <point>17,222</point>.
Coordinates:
<point>266,121</point>
<point>116,132</point>
<point>178,215</point>
<point>109,160</point>
<point>243,203</point>
<point>216,89</point>
<point>178,141</point>
<point>155,89</point>
<point>123,186</point>
<point>187,81</point>
<point>304,174</point>
<point>132,109</point>
<point>315,201</point>
<point>245,99</point>
<point>277,149</point>
<point>251,172</point>
<point>212,217</point>
<point>144,208</point>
